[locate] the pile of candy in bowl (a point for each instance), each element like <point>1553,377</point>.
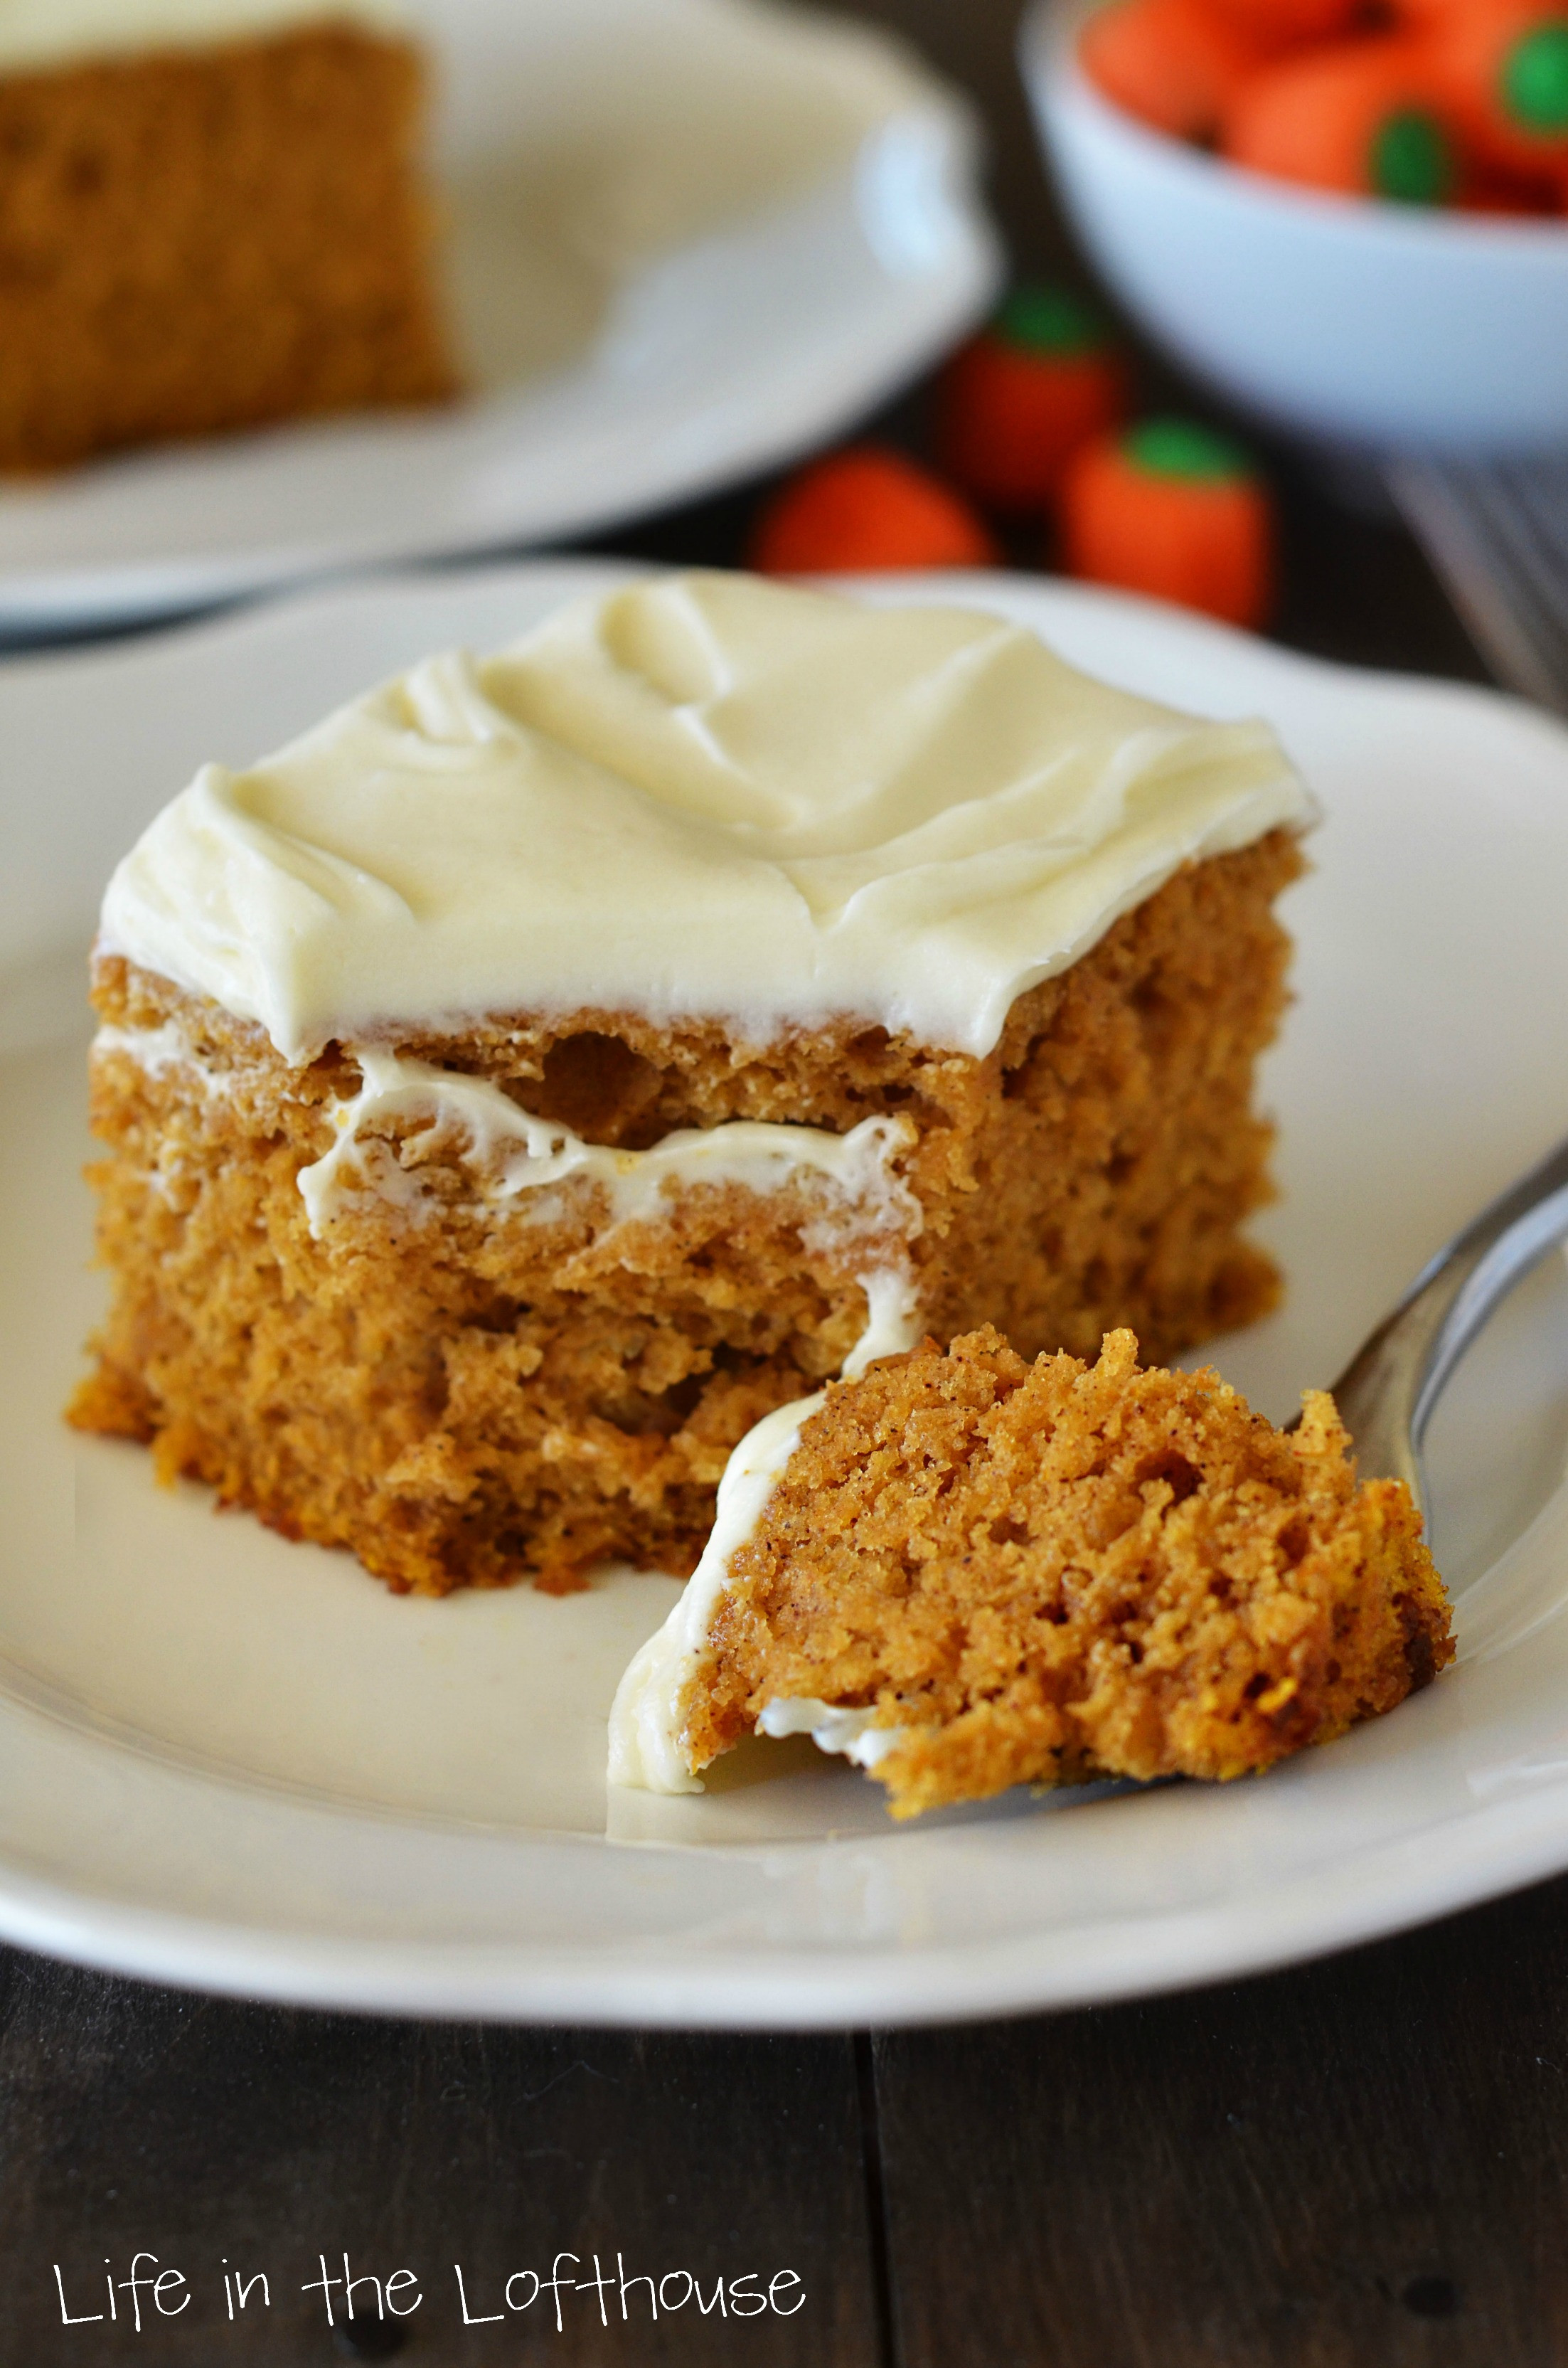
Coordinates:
<point>1460,103</point>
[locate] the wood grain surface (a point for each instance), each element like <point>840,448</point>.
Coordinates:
<point>215,2134</point>
<point>1362,2164</point>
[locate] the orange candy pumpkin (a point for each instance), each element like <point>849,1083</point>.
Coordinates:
<point>1279,25</point>
<point>1174,63</point>
<point>1014,404</point>
<point>1172,509</point>
<point>1504,69</point>
<point>867,507</point>
<point>1370,119</point>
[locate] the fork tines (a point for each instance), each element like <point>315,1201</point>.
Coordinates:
<point>1497,534</point>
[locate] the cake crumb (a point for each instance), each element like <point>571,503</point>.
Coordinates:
<point>1048,1573</point>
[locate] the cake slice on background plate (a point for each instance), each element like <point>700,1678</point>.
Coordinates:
<point>968,1573</point>
<point>213,216</point>
<point>556,1062</point>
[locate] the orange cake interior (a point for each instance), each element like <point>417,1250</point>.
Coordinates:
<point>468,1403</point>
<point>1045,1573</point>
<point>213,237</point>
<point>552,1064</point>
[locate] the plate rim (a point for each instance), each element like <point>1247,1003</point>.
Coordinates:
<point>42,599</point>
<point>1498,1846</point>
<point>1503,1849</point>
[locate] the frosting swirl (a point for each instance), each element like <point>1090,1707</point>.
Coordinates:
<point>696,795</point>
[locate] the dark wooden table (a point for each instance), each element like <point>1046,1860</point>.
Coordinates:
<point>1360,2162</point>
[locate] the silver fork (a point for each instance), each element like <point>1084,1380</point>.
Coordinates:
<point>1497,534</point>
<point>1389,1390</point>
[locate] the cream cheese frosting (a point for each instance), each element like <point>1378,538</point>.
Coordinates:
<point>852,1732</point>
<point>852,1179</point>
<point>854,1194</point>
<point>647,1747</point>
<point>36,33</point>
<point>699,795</point>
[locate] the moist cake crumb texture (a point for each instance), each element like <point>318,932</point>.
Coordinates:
<point>1053,1572</point>
<point>466,1396</point>
<point>213,237</point>
<point>554,1063</point>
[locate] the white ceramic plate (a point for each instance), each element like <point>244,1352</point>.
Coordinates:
<point>688,239</point>
<point>230,1761</point>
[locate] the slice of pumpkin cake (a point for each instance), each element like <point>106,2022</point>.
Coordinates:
<point>214,216</point>
<point>552,1064</point>
<point>968,1572</point>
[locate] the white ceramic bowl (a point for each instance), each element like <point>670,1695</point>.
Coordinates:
<point>1355,324</point>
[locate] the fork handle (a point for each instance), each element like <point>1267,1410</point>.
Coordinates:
<point>1387,1394</point>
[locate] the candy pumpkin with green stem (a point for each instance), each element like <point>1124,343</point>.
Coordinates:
<point>867,507</point>
<point>1505,70</point>
<point>1369,119</point>
<point>1014,404</point>
<point>1172,509</point>
<point>1176,65</point>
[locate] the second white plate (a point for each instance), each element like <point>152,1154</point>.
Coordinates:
<point>689,239</point>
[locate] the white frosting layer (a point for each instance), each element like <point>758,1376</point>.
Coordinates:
<point>646,1743</point>
<point>513,1155</point>
<point>703,795</point>
<point>848,1731</point>
<point>158,1048</point>
<point>51,32</point>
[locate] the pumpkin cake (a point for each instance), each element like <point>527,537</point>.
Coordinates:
<point>213,216</point>
<point>968,1573</point>
<point>554,1063</point>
